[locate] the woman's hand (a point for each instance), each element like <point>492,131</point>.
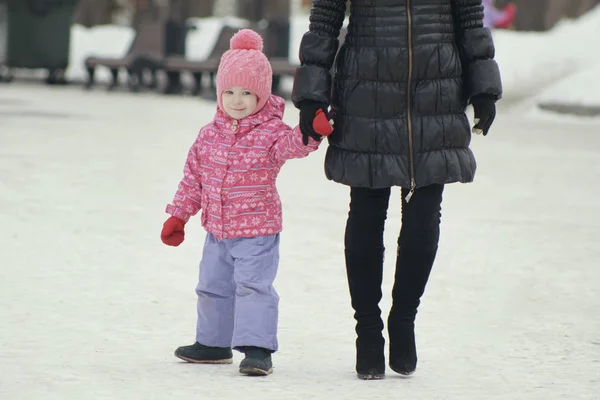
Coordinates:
<point>484,106</point>
<point>308,114</point>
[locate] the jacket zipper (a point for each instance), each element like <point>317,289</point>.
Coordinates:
<point>408,103</point>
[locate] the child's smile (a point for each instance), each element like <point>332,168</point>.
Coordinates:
<point>238,102</point>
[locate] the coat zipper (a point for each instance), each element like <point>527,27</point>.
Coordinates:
<point>408,103</point>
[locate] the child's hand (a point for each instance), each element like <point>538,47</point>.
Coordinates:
<point>321,124</point>
<point>172,232</point>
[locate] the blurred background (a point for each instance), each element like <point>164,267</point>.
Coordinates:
<point>173,46</point>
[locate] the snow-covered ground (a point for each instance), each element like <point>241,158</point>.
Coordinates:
<point>93,304</point>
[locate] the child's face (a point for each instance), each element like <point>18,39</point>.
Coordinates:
<point>238,102</point>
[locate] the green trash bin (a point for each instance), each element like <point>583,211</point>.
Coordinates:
<point>36,34</point>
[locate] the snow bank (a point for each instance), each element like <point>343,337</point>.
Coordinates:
<point>578,94</point>
<point>530,62</point>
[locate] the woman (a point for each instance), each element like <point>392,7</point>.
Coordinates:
<point>403,79</point>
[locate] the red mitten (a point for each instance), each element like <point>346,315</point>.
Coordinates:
<point>321,125</point>
<point>172,232</point>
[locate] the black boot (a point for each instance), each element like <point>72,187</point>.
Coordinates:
<point>403,348</point>
<point>364,278</point>
<point>412,272</point>
<point>199,353</point>
<point>417,248</point>
<point>257,361</point>
<point>364,266</point>
<point>370,357</point>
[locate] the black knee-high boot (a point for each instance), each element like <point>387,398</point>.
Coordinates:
<point>417,248</point>
<point>364,265</point>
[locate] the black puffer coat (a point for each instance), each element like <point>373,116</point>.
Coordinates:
<point>402,81</point>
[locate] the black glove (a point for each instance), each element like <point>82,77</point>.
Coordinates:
<point>484,106</point>
<point>308,111</point>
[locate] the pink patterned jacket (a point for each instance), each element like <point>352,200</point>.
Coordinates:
<point>231,170</point>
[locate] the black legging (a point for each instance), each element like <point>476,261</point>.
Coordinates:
<point>417,245</point>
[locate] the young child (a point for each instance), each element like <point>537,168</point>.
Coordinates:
<point>230,175</point>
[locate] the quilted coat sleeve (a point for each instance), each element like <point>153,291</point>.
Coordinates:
<point>317,52</point>
<point>476,46</point>
<point>187,200</point>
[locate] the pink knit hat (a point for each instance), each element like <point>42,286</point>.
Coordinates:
<point>245,65</point>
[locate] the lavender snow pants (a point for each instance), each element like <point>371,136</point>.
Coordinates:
<point>237,304</point>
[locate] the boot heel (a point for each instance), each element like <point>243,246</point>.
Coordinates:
<point>403,349</point>
<point>370,358</point>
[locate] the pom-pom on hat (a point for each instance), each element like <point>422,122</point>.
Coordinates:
<point>245,65</point>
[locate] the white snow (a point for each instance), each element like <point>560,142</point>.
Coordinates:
<point>582,88</point>
<point>93,304</point>
<point>530,61</point>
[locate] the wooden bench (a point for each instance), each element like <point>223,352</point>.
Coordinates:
<point>200,67</point>
<point>145,53</point>
<point>158,35</point>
